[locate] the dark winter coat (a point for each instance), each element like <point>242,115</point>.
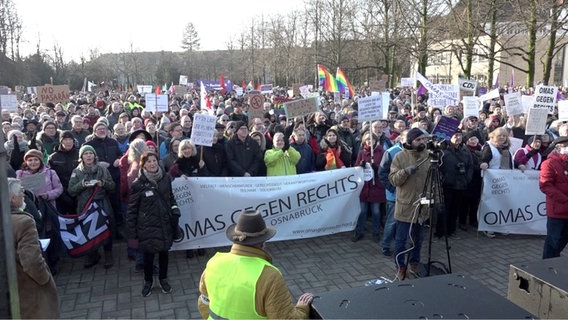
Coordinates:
<point>149,214</point>
<point>108,151</point>
<point>456,168</point>
<point>243,156</point>
<point>373,190</point>
<point>215,158</point>
<point>63,162</point>
<point>345,154</point>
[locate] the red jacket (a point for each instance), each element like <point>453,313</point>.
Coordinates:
<point>553,182</point>
<point>373,190</point>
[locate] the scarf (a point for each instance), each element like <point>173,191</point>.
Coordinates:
<point>332,160</point>
<point>505,158</point>
<point>154,176</point>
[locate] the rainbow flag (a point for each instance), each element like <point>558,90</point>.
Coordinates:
<point>343,83</point>
<point>250,85</point>
<point>326,79</point>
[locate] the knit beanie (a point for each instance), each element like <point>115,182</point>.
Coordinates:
<point>66,134</point>
<point>413,134</point>
<point>98,124</point>
<point>33,153</point>
<point>85,148</point>
<point>48,122</point>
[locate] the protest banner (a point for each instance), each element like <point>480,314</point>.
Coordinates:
<point>54,94</point>
<point>183,80</point>
<point>9,102</point>
<point>203,129</point>
<point>448,95</point>
<point>563,110</point>
<point>513,103</point>
<point>470,106</point>
<point>545,97</point>
<point>156,102</point>
<point>507,207</point>
<point>407,82</point>
<point>467,85</point>
<point>536,121</point>
<point>298,206</point>
<point>370,108</point>
<point>299,108</point>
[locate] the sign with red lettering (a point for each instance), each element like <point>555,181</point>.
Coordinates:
<point>55,94</point>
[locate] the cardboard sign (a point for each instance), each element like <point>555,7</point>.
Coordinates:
<point>156,102</point>
<point>545,97</point>
<point>563,110</point>
<point>53,94</point>
<point>370,108</point>
<point>9,102</point>
<point>407,82</point>
<point>179,90</point>
<point>467,85</point>
<point>513,103</point>
<point>301,107</point>
<point>296,90</point>
<point>470,106</point>
<point>183,80</point>
<point>256,103</point>
<point>374,85</point>
<point>203,129</point>
<point>536,121</point>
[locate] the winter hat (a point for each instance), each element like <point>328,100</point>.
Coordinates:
<point>413,134</point>
<point>49,122</point>
<point>136,133</point>
<point>66,134</point>
<point>239,124</point>
<point>98,124</point>
<point>250,229</point>
<point>343,118</point>
<point>148,120</point>
<point>85,148</point>
<point>33,153</point>
<point>151,143</point>
<point>86,120</point>
<point>104,120</point>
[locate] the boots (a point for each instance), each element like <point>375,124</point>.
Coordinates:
<point>108,260</point>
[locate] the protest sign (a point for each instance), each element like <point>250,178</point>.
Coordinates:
<point>516,144</point>
<point>299,206</point>
<point>156,102</point>
<point>256,103</point>
<point>445,128</point>
<point>545,97</point>
<point>265,88</point>
<point>470,106</point>
<point>53,94</point>
<point>447,94</point>
<point>489,95</point>
<point>513,103</point>
<point>34,182</point>
<point>527,102</point>
<point>9,102</point>
<point>563,110</point>
<point>299,108</point>
<point>143,89</point>
<point>467,85</point>
<point>536,121</point>
<point>203,129</point>
<point>179,90</point>
<point>407,82</point>
<point>370,108</point>
<point>502,209</point>
<point>183,80</point>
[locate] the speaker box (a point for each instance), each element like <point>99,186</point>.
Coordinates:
<point>541,287</point>
<point>448,296</point>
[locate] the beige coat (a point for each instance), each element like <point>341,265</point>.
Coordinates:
<point>408,187</point>
<point>38,293</point>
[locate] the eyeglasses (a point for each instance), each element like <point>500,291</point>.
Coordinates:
<point>224,120</point>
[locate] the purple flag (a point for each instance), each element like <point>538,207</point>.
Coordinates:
<point>421,90</point>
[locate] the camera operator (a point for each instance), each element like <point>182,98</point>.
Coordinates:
<point>456,170</point>
<point>408,174</point>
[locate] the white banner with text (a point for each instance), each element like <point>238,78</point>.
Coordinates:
<point>298,206</point>
<point>511,202</point>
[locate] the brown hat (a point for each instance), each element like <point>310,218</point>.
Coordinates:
<point>33,153</point>
<point>250,229</point>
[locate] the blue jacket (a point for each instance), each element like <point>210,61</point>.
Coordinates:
<point>384,170</point>
<point>307,161</point>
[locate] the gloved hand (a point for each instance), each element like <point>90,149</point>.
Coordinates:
<point>286,145</point>
<point>410,170</point>
<point>16,144</point>
<point>363,164</point>
<point>531,153</point>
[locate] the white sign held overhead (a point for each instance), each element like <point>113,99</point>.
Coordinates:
<point>156,102</point>
<point>386,104</point>
<point>183,80</point>
<point>142,89</point>
<point>470,106</point>
<point>545,97</point>
<point>370,108</point>
<point>203,129</point>
<point>300,108</point>
<point>467,85</point>
<point>489,95</point>
<point>9,102</point>
<point>563,110</point>
<point>407,82</point>
<point>514,103</point>
<point>449,95</point>
<point>536,121</point>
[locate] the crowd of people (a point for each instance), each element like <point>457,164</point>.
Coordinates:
<point>108,148</point>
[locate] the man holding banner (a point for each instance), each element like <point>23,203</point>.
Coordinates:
<point>553,182</point>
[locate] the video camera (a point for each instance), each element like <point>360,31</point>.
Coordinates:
<point>436,144</point>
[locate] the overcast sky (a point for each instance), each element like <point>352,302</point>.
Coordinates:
<point>113,25</point>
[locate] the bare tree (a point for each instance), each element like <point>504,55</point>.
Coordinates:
<point>10,29</point>
<point>190,40</point>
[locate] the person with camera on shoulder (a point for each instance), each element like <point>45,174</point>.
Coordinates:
<point>409,170</point>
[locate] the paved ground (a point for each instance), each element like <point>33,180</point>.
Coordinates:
<point>312,265</point>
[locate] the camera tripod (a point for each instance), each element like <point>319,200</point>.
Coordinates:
<point>433,201</point>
